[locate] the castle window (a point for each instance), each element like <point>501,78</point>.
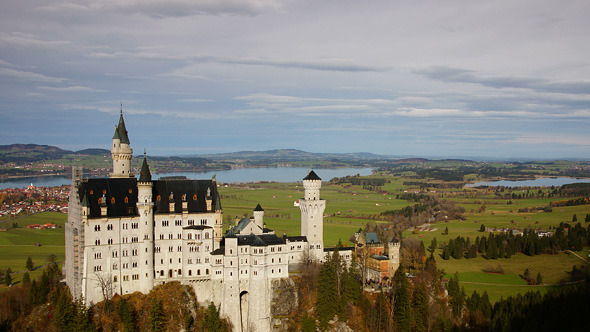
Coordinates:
<point>126,199</point>
<point>206,235</point>
<point>97,242</point>
<point>199,272</point>
<point>161,273</point>
<point>158,198</point>
<point>207,271</point>
<point>194,197</point>
<point>100,201</point>
<point>91,192</point>
<point>115,267</point>
<point>130,191</point>
<point>113,200</point>
<point>190,236</point>
<point>190,272</point>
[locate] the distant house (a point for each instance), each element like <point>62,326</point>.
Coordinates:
<point>34,226</point>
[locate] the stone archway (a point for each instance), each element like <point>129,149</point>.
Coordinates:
<point>244,298</point>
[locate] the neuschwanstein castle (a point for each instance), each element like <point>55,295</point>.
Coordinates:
<point>126,235</point>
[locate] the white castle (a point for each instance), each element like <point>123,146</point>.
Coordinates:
<point>126,235</point>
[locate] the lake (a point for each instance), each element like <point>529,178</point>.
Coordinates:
<point>276,174</point>
<point>540,182</point>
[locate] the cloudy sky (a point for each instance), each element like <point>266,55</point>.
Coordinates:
<point>423,78</point>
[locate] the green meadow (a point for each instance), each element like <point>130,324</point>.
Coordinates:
<point>17,244</point>
<point>350,207</point>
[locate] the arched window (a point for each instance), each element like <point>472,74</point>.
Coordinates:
<point>115,278</point>
<point>190,236</point>
<point>207,271</point>
<point>159,198</point>
<point>126,199</point>
<point>113,200</point>
<point>198,272</point>
<point>130,191</point>
<point>194,197</point>
<point>206,235</point>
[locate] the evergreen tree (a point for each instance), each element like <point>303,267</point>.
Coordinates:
<point>156,316</point>
<point>482,228</point>
<point>433,245</point>
<point>539,278</point>
<point>456,296</point>
<point>83,320</point>
<point>126,316</point>
<point>402,310</point>
<point>575,218</point>
<point>327,298</point>
<point>26,279</point>
<point>8,277</point>
<point>420,308</point>
<point>29,264</point>
<point>65,312</point>
<point>212,321</point>
<point>308,324</point>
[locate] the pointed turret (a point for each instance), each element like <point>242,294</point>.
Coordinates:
<point>121,128</point>
<point>146,175</point>
<point>116,134</point>
<point>259,216</point>
<point>120,151</point>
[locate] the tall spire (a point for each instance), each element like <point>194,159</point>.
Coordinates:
<point>146,175</point>
<point>121,128</point>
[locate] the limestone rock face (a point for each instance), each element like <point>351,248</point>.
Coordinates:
<point>284,303</point>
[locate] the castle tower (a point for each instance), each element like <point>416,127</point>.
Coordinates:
<point>145,209</point>
<point>393,249</point>
<point>312,215</point>
<point>259,216</point>
<point>121,152</point>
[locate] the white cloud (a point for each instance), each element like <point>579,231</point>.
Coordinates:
<point>30,76</point>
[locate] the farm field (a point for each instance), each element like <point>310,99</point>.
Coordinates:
<point>17,244</point>
<point>349,207</point>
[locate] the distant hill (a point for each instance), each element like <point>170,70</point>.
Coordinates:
<point>94,152</point>
<point>291,155</point>
<point>19,153</point>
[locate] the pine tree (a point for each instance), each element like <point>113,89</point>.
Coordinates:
<point>456,295</point>
<point>26,279</point>
<point>8,277</point>
<point>157,319</point>
<point>433,245</point>
<point>402,310</point>
<point>327,298</point>
<point>126,316</point>
<point>420,308</point>
<point>539,278</point>
<point>482,228</point>
<point>65,312</point>
<point>29,264</point>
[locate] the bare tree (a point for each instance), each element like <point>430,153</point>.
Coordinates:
<point>105,282</point>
